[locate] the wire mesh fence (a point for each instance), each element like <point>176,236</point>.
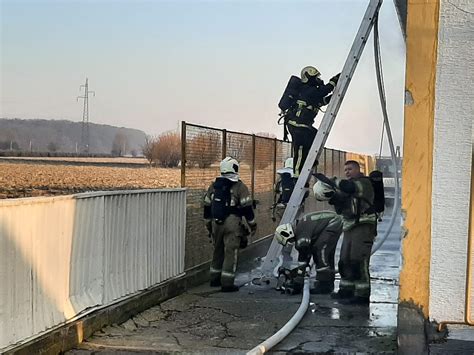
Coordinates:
<point>260,157</point>
<point>202,150</point>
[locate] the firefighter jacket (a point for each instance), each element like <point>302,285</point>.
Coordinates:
<point>239,204</point>
<point>352,201</point>
<point>312,224</point>
<point>303,101</point>
<point>317,228</point>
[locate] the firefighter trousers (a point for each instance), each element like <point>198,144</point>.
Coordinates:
<point>323,251</point>
<point>302,139</point>
<point>226,239</point>
<point>354,260</point>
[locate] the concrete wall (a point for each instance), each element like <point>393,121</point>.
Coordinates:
<point>452,155</point>
<point>62,256</point>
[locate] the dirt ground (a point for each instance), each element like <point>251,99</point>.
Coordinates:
<point>39,179</point>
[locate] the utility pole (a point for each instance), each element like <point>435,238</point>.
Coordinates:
<point>85,117</point>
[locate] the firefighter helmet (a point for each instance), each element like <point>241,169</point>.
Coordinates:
<point>229,165</point>
<point>289,163</point>
<point>284,234</point>
<point>308,72</point>
<point>323,191</point>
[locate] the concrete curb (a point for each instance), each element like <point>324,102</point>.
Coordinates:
<point>411,330</point>
<point>73,333</point>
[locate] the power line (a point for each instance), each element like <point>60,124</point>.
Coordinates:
<point>85,117</point>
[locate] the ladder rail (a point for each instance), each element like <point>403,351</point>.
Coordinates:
<point>291,211</point>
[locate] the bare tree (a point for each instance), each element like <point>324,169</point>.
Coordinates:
<point>204,149</point>
<point>52,147</point>
<point>147,148</point>
<point>120,144</point>
<point>163,150</point>
<point>167,149</point>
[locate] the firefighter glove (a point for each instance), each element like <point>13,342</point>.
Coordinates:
<point>253,227</point>
<point>335,79</point>
<point>244,230</point>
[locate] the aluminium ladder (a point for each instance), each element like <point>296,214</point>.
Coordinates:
<point>276,251</point>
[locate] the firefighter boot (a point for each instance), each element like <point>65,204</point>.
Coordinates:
<point>232,288</point>
<point>215,283</point>
<point>356,300</point>
<point>322,287</point>
<point>343,293</point>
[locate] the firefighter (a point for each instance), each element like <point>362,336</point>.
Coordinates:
<point>284,183</point>
<point>301,101</point>
<point>353,199</point>
<point>283,188</point>
<point>228,200</point>
<point>315,235</point>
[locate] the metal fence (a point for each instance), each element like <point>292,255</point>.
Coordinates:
<point>202,150</point>
<point>61,256</point>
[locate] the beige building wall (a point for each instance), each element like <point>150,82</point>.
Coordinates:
<point>437,165</point>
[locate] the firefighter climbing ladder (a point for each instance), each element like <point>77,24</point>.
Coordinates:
<point>275,251</point>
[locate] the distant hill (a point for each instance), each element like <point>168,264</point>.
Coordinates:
<point>61,136</point>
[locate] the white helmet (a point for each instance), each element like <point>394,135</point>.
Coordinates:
<point>323,191</point>
<point>284,234</point>
<point>289,163</point>
<point>308,72</point>
<point>229,165</point>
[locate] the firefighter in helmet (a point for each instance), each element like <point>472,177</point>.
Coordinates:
<point>353,199</point>
<point>283,188</point>
<point>300,103</point>
<point>315,235</point>
<point>228,213</point>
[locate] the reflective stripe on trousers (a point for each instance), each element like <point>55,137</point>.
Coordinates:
<point>346,284</point>
<point>362,285</point>
<point>215,271</point>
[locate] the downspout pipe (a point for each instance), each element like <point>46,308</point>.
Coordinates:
<point>383,102</point>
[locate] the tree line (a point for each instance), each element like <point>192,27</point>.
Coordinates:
<point>205,148</point>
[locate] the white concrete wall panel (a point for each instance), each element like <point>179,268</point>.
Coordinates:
<point>87,279</point>
<point>62,255</point>
<point>453,132</point>
<point>35,239</point>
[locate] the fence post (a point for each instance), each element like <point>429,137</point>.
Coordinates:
<point>332,162</point>
<point>274,160</point>
<point>339,165</point>
<point>253,167</point>
<point>224,143</point>
<point>324,160</point>
<point>183,153</point>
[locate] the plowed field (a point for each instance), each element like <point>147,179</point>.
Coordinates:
<point>32,179</point>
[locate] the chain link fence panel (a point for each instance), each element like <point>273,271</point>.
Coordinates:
<point>260,157</point>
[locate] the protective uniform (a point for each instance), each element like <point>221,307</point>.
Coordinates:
<point>300,103</point>
<point>283,188</point>
<point>223,216</point>
<point>315,235</point>
<point>353,200</point>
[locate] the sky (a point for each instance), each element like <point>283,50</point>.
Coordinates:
<point>220,63</point>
